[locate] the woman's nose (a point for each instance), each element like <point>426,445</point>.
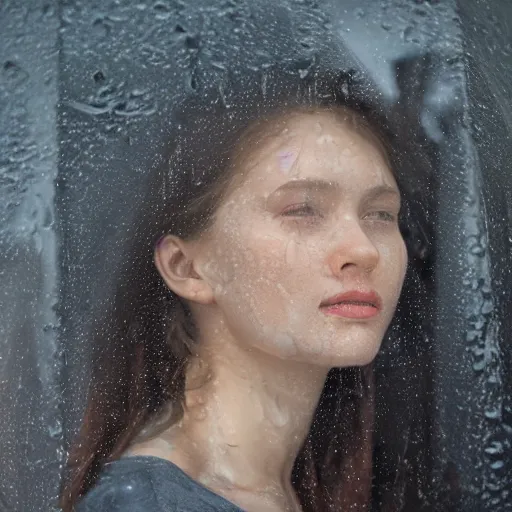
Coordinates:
<point>353,249</point>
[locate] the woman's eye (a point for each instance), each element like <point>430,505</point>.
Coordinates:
<point>300,211</point>
<point>383,216</point>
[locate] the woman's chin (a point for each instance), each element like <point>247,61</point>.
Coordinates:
<point>361,354</point>
<point>361,357</point>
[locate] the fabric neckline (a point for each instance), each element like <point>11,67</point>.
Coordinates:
<point>160,461</point>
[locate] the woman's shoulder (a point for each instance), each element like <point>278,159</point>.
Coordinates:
<point>150,484</point>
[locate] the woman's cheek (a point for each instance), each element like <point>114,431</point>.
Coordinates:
<point>397,264</point>
<point>405,258</point>
<point>218,269</point>
<point>390,267</point>
<point>297,254</point>
<point>400,257</point>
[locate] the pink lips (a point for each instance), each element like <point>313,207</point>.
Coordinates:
<point>353,304</point>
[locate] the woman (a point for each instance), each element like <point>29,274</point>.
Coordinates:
<point>233,372</point>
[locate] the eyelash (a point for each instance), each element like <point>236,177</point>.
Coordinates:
<point>294,211</point>
<point>388,217</point>
<point>384,216</point>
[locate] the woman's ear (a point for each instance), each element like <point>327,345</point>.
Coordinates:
<point>174,259</point>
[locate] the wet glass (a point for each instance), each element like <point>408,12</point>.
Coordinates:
<point>88,93</point>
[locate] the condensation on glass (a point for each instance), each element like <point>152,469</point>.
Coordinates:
<point>86,90</point>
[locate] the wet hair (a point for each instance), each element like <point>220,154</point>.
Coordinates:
<point>149,331</point>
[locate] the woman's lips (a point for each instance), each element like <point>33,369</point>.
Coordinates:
<point>353,304</point>
<point>351,310</point>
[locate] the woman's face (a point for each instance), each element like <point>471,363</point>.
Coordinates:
<point>315,216</point>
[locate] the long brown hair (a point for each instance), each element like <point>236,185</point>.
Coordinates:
<point>143,341</point>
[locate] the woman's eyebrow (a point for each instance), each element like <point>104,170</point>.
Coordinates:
<point>380,190</point>
<point>316,184</point>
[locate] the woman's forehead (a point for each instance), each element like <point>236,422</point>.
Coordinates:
<point>315,144</point>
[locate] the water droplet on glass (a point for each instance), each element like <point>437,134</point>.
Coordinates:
<point>493,414</point>
<point>55,431</point>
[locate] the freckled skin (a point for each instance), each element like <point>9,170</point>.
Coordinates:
<point>296,256</point>
<point>267,345</point>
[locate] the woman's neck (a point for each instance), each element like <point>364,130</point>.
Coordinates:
<point>253,414</point>
<point>247,415</point>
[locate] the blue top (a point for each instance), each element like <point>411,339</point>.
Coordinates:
<point>144,483</point>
